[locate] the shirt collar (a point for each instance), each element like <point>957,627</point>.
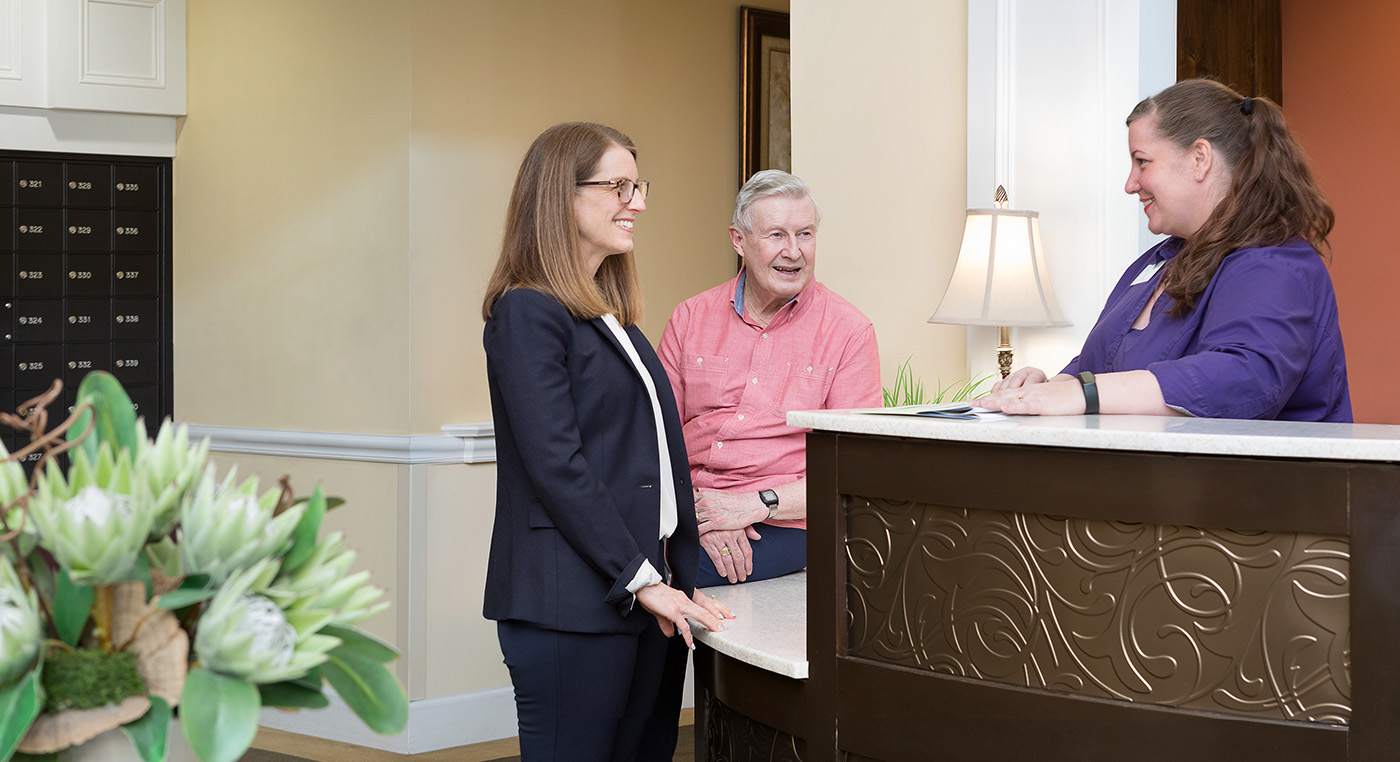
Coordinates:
<point>1169,248</point>
<point>738,299</point>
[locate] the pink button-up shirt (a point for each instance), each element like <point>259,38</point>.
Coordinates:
<point>735,381</point>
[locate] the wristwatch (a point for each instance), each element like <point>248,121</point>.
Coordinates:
<point>770,499</point>
<point>1091,393</point>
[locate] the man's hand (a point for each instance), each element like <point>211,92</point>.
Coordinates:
<point>730,552</point>
<point>727,510</point>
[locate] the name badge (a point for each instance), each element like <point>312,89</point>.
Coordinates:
<point>1147,273</point>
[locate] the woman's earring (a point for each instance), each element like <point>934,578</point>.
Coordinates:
<point>1198,177</point>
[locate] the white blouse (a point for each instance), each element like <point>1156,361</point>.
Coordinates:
<point>648,575</point>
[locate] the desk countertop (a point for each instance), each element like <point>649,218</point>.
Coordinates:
<point>771,630</point>
<point>1142,433</point>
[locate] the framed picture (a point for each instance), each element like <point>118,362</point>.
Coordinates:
<point>766,104</point>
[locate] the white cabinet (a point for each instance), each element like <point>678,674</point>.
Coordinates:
<point>124,56</point>
<point>23,25</point>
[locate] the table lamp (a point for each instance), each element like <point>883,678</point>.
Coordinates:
<point>1000,278</point>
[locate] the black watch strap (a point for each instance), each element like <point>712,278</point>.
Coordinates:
<point>1091,393</point>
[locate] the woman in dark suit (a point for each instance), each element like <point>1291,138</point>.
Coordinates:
<point>594,548</point>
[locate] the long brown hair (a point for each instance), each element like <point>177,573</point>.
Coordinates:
<point>540,249</point>
<point>1272,196</point>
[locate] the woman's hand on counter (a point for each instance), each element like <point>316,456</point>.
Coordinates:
<point>1061,395</point>
<point>1022,377</point>
<point>1132,392</point>
<point>672,608</point>
<point>714,606</point>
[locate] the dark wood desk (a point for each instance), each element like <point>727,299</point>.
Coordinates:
<point>1084,589</point>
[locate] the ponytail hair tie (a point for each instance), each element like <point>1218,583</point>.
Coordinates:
<point>1247,107</point>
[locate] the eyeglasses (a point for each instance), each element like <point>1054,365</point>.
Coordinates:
<point>625,188</point>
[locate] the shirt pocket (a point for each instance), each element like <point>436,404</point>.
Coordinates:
<point>806,387</point>
<point>708,383</point>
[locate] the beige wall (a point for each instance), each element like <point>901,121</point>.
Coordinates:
<point>291,289</point>
<point>879,93</point>
<point>490,76</point>
<point>461,649</point>
<point>340,184</point>
<point>342,175</point>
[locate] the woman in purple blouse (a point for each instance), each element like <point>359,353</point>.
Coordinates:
<point>1233,316</point>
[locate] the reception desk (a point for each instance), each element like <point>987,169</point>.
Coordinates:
<point>1081,589</point>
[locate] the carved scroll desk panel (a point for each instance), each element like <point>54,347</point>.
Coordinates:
<point>1252,623</point>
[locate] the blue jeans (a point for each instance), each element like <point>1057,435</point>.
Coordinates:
<point>783,550</point>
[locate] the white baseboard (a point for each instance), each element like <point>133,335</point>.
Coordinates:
<point>437,723</point>
<point>433,724</point>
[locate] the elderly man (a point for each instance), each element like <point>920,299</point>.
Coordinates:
<point>739,357</point>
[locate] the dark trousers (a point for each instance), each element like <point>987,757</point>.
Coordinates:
<point>586,696</point>
<point>783,550</point>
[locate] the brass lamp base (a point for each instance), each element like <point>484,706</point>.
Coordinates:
<point>1004,352</point>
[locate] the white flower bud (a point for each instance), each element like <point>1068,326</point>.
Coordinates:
<point>20,626</point>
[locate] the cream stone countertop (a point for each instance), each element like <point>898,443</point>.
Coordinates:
<point>771,630</point>
<point>1142,433</point>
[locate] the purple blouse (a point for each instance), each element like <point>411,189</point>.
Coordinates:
<point>1262,342</point>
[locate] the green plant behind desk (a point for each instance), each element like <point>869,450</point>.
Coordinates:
<point>909,389</point>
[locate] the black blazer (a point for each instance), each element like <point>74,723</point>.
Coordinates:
<point>577,492</point>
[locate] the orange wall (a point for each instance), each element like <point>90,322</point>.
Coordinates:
<point>1342,99</point>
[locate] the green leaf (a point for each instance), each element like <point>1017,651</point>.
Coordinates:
<point>219,715</point>
<point>89,445</point>
<point>42,574</point>
<point>332,502</point>
<point>293,694</point>
<point>370,690</point>
<point>19,705</point>
<point>180,598</point>
<point>71,607</point>
<point>312,679</point>
<point>361,644</point>
<point>116,417</point>
<point>148,734</point>
<point>305,534</point>
<point>141,572</point>
<point>164,556</point>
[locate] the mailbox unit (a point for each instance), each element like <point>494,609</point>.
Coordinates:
<point>84,278</point>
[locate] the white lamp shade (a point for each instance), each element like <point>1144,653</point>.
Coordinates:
<point>1000,278</point>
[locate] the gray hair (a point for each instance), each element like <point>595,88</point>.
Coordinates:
<point>769,182</point>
